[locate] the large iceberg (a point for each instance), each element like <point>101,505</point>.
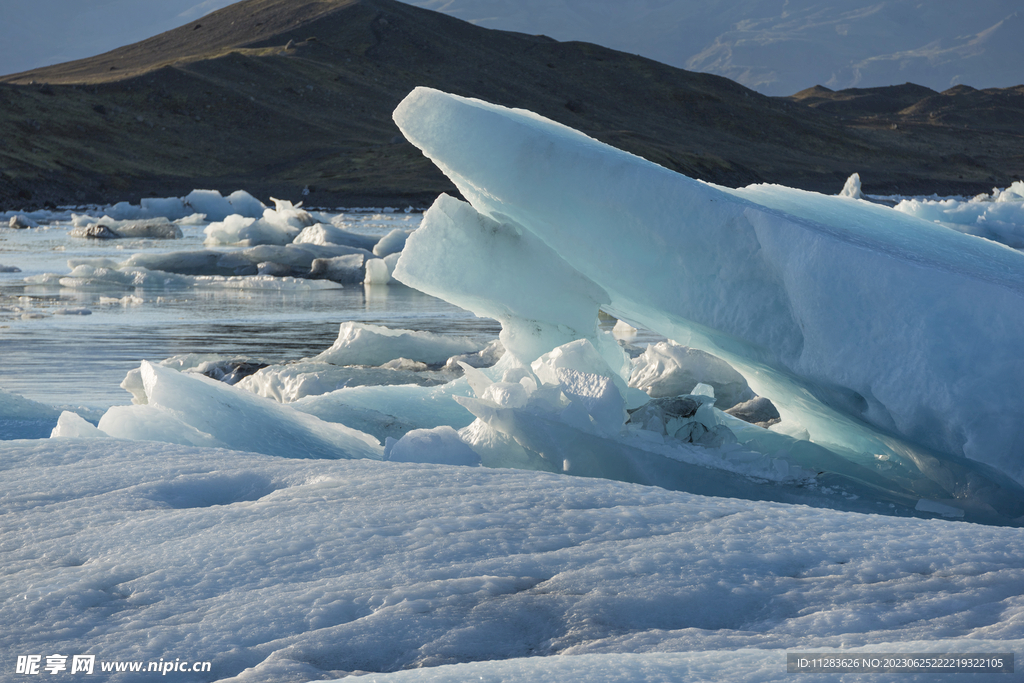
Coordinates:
<point>875,332</point>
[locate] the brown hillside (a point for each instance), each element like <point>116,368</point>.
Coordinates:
<point>274,96</point>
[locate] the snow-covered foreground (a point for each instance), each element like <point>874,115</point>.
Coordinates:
<point>292,570</point>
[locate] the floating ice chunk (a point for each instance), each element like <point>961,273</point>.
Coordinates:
<point>348,269</point>
<point>198,262</point>
<point>440,445</point>
<point>72,425</point>
<point>377,272</point>
<point>156,228</point>
<point>279,225</point>
<point>109,228</point>
<point>86,276</point>
<point>852,188</point>
<point>287,213</point>
<point>72,311</point>
<point>391,243</point>
<point>209,203</point>
<point>21,221</point>
<point>360,344</point>
<point>324,234</point>
<point>668,369</point>
<point>192,219</point>
<point>623,330</point>
<point>193,409</point>
<point>217,208</point>
<point>246,231</point>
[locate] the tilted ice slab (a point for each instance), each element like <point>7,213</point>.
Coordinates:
<point>297,570</point>
<point>843,313</point>
<point>195,410</point>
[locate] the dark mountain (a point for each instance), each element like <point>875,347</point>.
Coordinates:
<point>276,95</point>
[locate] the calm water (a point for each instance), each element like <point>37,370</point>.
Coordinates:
<point>81,359</point>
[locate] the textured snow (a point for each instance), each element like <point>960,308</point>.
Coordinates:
<point>293,570</point>
<point>841,312</point>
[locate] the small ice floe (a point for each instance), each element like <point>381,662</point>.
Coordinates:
<point>107,228</point>
<point>21,221</point>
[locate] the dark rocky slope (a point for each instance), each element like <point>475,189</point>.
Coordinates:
<point>274,96</point>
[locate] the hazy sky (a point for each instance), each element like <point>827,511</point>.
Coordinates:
<point>42,32</point>
<point>775,46</point>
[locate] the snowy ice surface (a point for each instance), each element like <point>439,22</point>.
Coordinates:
<point>998,217</point>
<point>294,570</point>
<point>841,312</point>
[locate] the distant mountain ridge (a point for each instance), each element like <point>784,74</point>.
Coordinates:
<point>779,48</point>
<point>282,96</point>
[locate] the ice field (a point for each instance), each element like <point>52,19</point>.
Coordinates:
<point>625,426</point>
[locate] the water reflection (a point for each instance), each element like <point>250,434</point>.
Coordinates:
<point>81,359</point>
